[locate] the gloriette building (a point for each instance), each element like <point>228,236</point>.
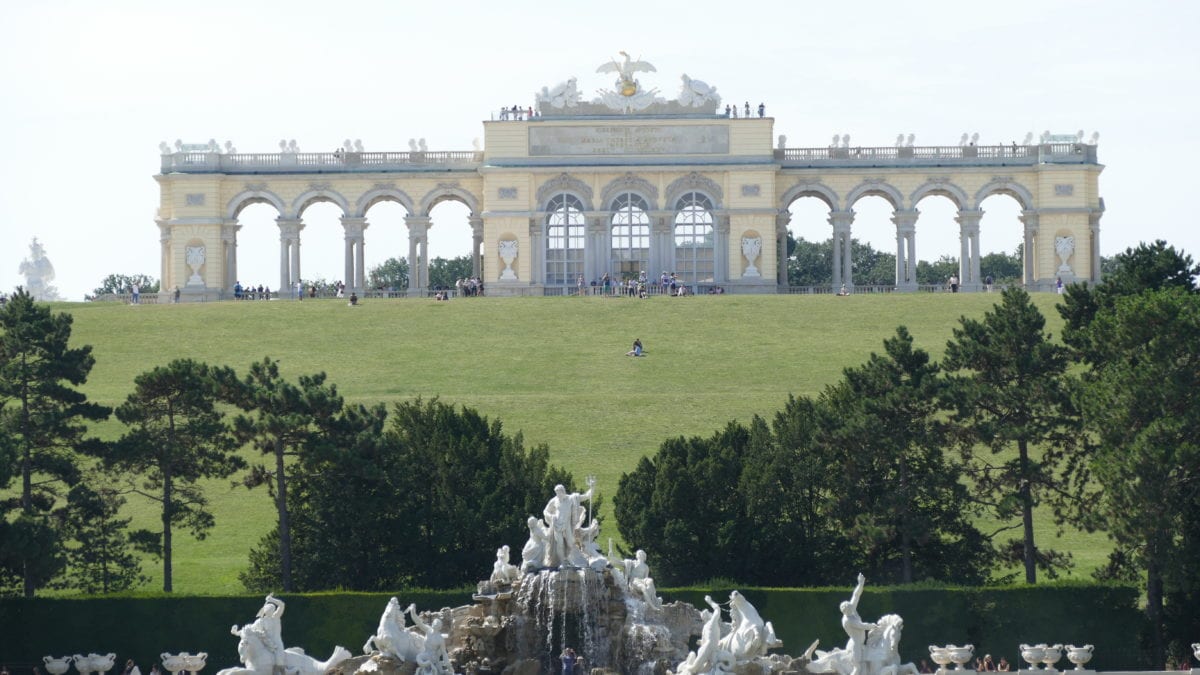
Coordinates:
<point>624,182</point>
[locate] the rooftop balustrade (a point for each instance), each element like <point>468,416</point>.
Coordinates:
<point>938,155</point>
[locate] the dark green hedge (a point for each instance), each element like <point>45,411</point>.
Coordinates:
<point>994,620</point>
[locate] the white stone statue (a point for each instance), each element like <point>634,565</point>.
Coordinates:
<point>882,654</point>
<point>194,256</point>
<point>504,572</point>
<point>533,555</point>
<point>38,273</point>
<point>1064,247</point>
<point>562,513</point>
<point>412,145</point>
<point>433,659</point>
<point>851,660</point>
<point>421,145</point>
<point>637,574</point>
<point>708,657</point>
<point>782,142</point>
<point>164,149</point>
<point>1028,140</point>
<point>508,253</point>
<point>392,637</point>
<point>260,647</point>
<point>628,94</point>
<point>749,636</point>
<point>563,95</point>
<point>751,247</point>
<point>697,94</point>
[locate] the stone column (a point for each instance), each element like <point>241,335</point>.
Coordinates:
<point>418,251</point>
<point>662,243</point>
<point>1094,228</point>
<point>1030,219</point>
<point>537,251</point>
<point>968,262</point>
<point>229,230</point>
<point>843,271</point>
<point>595,252</point>
<point>781,222</point>
<point>354,229</point>
<point>721,271</point>
<point>476,246</point>
<point>289,251</point>
<point>168,281</point>
<point>906,228</point>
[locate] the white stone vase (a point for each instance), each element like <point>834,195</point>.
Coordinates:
<point>195,259</point>
<point>1033,654</point>
<point>1079,655</point>
<point>508,253</point>
<point>194,663</point>
<point>57,666</point>
<point>940,656</point>
<point>960,655</point>
<point>751,248</point>
<point>1051,655</point>
<point>174,663</point>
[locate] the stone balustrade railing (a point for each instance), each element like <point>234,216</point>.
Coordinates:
<point>317,162</point>
<point>939,155</point>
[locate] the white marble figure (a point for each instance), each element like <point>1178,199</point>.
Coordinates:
<point>563,95</point>
<point>708,657</point>
<point>504,572</point>
<point>697,94</point>
<point>433,659</point>
<point>637,574</point>
<point>848,661</point>
<point>165,149</point>
<point>195,260</point>
<point>1064,247</point>
<point>751,247</point>
<point>782,142</point>
<point>562,514</point>
<point>412,145</point>
<point>393,637</point>
<point>38,273</point>
<point>421,145</point>
<point>57,666</point>
<point>749,636</point>
<point>508,253</point>
<point>590,554</point>
<point>533,554</point>
<point>260,647</point>
<point>882,653</point>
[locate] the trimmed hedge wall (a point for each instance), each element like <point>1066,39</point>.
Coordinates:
<point>995,620</point>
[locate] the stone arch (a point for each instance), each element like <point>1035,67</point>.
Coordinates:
<point>694,182</point>
<point>810,189</point>
<point>320,193</point>
<point>383,193</point>
<point>564,183</point>
<point>942,187</point>
<point>629,183</point>
<point>1005,186</point>
<point>876,187</point>
<point>447,192</point>
<point>254,195</point>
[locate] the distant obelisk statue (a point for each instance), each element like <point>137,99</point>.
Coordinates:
<point>38,273</point>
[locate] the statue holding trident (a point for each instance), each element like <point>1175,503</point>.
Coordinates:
<point>851,660</point>
<point>563,513</point>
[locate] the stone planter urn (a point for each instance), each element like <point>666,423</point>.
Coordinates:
<point>57,666</point>
<point>1033,654</point>
<point>1051,655</point>
<point>960,655</point>
<point>174,663</point>
<point>1079,655</point>
<point>194,663</point>
<point>940,656</point>
<point>95,663</point>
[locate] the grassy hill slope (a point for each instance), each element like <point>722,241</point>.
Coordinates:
<point>552,368</point>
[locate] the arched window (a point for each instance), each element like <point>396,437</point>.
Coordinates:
<point>564,240</point>
<point>694,245</point>
<point>630,236</point>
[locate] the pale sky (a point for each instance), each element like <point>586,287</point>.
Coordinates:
<point>88,90</point>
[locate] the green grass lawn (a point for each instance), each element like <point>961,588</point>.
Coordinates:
<point>551,368</point>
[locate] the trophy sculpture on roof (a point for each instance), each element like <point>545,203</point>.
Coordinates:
<point>629,94</point>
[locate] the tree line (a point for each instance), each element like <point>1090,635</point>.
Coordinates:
<point>889,470</point>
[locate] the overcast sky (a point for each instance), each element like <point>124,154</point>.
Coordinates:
<point>88,90</point>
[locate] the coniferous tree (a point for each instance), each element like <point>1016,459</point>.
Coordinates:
<point>101,557</point>
<point>1008,389</point>
<point>177,436</point>
<point>42,417</point>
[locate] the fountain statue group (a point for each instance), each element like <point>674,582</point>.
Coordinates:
<point>567,593</point>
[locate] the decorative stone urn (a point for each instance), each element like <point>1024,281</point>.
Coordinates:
<point>1196,651</point>
<point>1052,655</point>
<point>940,656</point>
<point>1033,655</point>
<point>95,663</point>
<point>57,666</point>
<point>194,663</point>
<point>751,247</point>
<point>508,253</point>
<point>174,663</point>
<point>1079,655</point>
<point>960,655</point>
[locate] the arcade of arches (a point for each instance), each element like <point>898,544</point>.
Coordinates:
<point>557,197</point>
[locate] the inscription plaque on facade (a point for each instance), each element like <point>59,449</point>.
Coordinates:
<point>629,140</point>
<point>195,199</point>
<point>1064,190</point>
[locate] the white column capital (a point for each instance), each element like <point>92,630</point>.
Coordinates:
<point>289,227</point>
<point>905,219</point>
<point>782,219</point>
<point>1031,219</point>
<point>969,219</point>
<point>841,220</point>
<point>418,226</point>
<point>354,227</point>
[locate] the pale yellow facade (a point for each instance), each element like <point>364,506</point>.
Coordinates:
<point>659,163</point>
